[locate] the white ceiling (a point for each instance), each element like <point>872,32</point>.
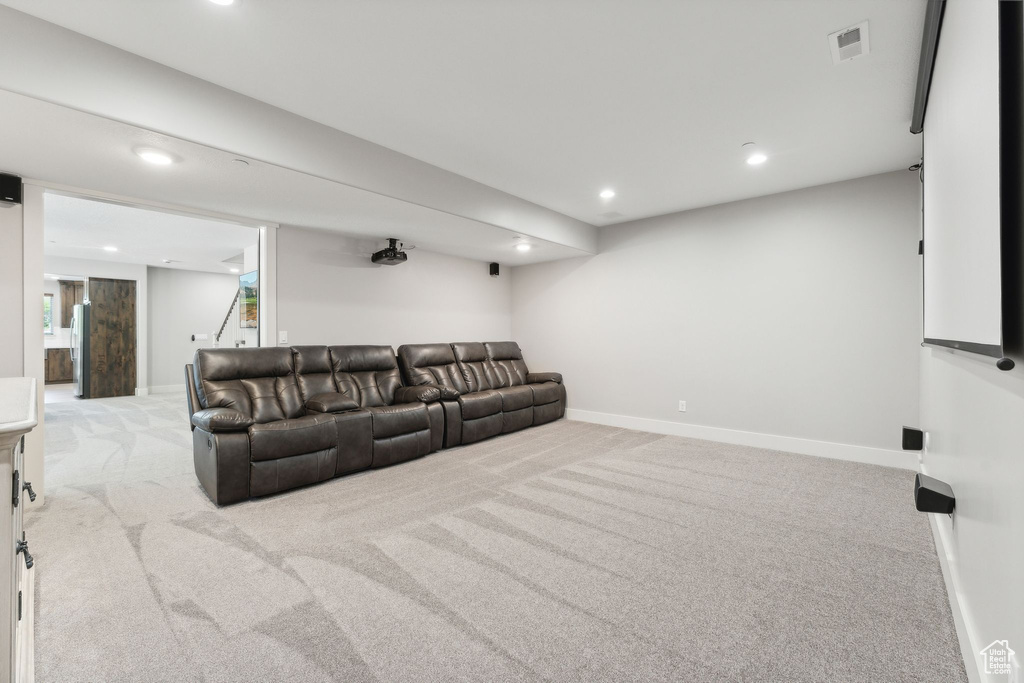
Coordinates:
<point>553,101</point>
<point>41,140</point>
<point>81,228</point>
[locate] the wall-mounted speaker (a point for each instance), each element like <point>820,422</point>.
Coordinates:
<point>932,495</point>
<point>494,270</point>
<point>913,439</point>
<point>10,189</point>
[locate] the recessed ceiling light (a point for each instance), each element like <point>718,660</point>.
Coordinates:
<point>607,194</point>
<point>110,248</point>
<point>154,156</point>
<point>234,270</point>
<point>225,3</point>
<point>523,246</point>
<point>755,157</point>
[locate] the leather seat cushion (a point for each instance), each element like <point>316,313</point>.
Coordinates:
<point>295,436</point>
<point>548,392</point>
<point>480,404</point>
<point>403,418</point>
<point>515,398</point>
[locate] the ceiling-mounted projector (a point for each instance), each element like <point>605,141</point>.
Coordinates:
<point>390,255</point>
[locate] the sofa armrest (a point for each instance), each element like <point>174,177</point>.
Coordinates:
<point>447,393</point>
<point>538,377</point>
<point>424,393</point>
<point>332,402</point>
<point>221,420</point>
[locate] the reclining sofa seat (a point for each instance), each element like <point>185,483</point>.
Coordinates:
<point>251,434</point>
<point>434,365</point>
<point>510,369</point>
<point>379,421</point>
<point>489,385</point>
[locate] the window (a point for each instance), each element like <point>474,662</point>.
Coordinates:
<point>47,313</point>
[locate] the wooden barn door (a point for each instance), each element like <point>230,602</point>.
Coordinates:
<point>112,345</point>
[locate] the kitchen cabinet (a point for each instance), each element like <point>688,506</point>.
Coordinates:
<point>58,366</point>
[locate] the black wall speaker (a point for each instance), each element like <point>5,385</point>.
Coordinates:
<point>913,439</point>
<point>494,270</point>
<point>10,189</point>
<point>932,495</point>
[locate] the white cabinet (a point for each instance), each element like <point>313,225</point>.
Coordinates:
<point>17,418</point>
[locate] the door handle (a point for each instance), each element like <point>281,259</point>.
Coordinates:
<point>22,547</point>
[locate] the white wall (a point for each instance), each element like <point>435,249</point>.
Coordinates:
<point>327,295</point>
<point>183,303</point>
<point>796,314</point>
<point>11,291</point>
<point>973,414</point>
<point>59,265</point>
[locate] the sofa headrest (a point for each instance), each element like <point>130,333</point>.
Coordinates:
<point>425,355</point>
<point>506,350</point>
<point>216,365</point>
<point>311,359</point>
<point>363,358</point>
<point>469,352</point>
<point>430,364</point>
<point>259,383</point>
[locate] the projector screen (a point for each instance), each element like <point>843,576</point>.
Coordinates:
<point>963,215</point>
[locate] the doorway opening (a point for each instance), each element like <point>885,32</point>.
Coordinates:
<point>130,293</point>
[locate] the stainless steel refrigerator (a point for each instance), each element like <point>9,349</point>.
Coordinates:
<point>80,348</point>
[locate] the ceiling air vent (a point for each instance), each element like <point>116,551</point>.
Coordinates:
<point>849,43</point>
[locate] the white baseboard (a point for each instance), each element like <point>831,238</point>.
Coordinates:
<point>965,632</point>
<point>167,389</point>
<point>141,391</point>
<point>791,444</point>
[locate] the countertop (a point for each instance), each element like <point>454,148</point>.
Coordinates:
<point>17,406</point>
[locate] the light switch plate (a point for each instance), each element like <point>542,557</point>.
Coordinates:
<point>282,337</point>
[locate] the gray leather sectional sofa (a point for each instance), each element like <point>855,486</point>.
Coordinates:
<point>272,419</point>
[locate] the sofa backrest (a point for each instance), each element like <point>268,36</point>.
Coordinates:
<point>477,371</point>
<point>507,362</point>
<point>431,364</point>
<point>259,383</point>
<point>368,374</point>
<point>314,371</point>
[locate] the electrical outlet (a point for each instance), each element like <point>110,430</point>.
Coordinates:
<point>282,337</point>
<point>682,406</point>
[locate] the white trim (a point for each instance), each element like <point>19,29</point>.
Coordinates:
<point>791,444</point>
<point>142,391</point>
<point>124,200</point>
<point>268,285</point>
<point>167,389</point>
<point>965,632</point>
<point>32,321</point>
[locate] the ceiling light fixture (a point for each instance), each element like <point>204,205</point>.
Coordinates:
<point>110,248</point>
<point>755,157</point>
<point>223,3</point>
<point>607,194</point>
<point>523,246</point>
<point>154,156</point>
<point>234,270</point>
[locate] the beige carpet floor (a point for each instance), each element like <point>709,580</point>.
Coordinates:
<point>568,552</point>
